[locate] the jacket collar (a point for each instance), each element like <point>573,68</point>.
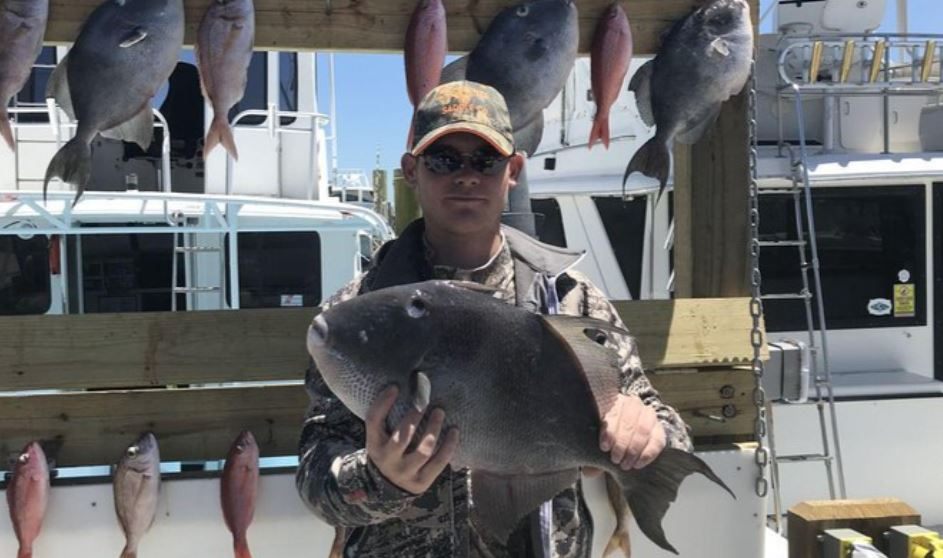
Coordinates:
<point>404,261</point>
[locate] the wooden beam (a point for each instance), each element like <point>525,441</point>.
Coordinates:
<point>870,517</point>
<point>711,198</point>
<point>380,25</point>
<point>190,424</point>
<point>713,402</point>
<point>93,428</point>
<point>152,349</point>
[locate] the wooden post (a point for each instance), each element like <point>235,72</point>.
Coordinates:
<point>711,197</point>
<point>379,193</point>
<point>406,205</point>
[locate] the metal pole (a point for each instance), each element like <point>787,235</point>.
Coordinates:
<point>232,217</point>
<point>333,120</point>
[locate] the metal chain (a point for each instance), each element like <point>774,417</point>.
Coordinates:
<point>756,303</point>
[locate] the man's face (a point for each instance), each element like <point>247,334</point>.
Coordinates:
<point>465,200</point>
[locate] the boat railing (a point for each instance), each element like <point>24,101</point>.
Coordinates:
<point>879,66</point>
<point>275,129</point>
<point>59,127</point>
<point>24,209</point>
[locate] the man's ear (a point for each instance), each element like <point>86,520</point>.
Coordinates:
<point>407,164</point>
<point>515,166</point>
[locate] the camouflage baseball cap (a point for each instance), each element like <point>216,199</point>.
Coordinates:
<point>463,106</point>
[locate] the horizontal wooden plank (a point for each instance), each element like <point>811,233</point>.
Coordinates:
<point>713,402</point>
<point>380,25</point>
<point>152,348</point>
<point>190,424</point>
<point>165,348</point>
<point>691,332</point>
<point>93,428</point>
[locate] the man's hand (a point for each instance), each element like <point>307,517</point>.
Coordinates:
<point>416,470</point>
<point>632,433</point>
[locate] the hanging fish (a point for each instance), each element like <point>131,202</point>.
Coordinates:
<point>28,495</point>
<point>125,51</point>
<point>136,488</point>
<point>609,62</point>
<point>22,26</point>
<point>705,59</point>
<point>239,487</point>
<point>223,51</point>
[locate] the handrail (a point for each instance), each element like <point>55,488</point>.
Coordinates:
<point>58,211</point>
<point>52,110</point>
<point>275,129</point>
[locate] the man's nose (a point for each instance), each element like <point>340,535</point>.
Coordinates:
<point>467,177</point>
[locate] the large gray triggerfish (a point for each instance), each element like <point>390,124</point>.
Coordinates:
<point>125,51</point>
<point>704,60</point>
<point>526,392</point>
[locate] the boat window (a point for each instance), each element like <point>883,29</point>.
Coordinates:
<point>127,272</point>
<point>279,269</point>
<point>256,94</point>
<point>624,221</point>
<point>872,255</point>
<point>24,275</point>
<point>33,93</point>
<point>549,221</point>
<point>287,84</point>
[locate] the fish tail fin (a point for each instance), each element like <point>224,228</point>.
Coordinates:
<point>649,491</point>
<point>600,131</point>
<point>241,547</point>
<point>73,164</point>
<point>220,132</point>
<point>129,553</point>
<point>25,552</point>
<point>654,160</point>
<point>619,541</point>
<point>6,130</point>
<point>340,541</point>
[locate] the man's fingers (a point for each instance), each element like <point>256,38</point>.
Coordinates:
<point>429,440</point>
<point>376,414</point>
<point>622,432</point>
<point>440,460</point>
<point>406,430</point>
<point>640,438</point>
<point>656,443</point>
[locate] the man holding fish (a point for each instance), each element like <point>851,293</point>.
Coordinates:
<point>390,486</point>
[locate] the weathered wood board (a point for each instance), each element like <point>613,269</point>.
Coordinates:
<point>164,348</point>
<point>198,424</point>
<point>92,428</point>
<point>380,25</point>
<point>871,517</point>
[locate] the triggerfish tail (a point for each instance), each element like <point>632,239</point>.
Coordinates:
<point>6,131</point>
<point>649,491</point>
<point>653,160</point>
<point>73,164</point>
<point>129,553</point>
<point>25,553</point>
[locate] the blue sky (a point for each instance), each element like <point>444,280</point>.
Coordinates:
<point>373,110</point>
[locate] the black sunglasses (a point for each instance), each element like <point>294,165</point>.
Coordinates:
<point>448,160</point>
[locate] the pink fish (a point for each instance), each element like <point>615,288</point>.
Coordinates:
<point>223,51</point>
<point>27,496</point>
<point>22,26</point>
<point>609,62</point>
<point>136,489</point>
<point>425,49</point>
<point>238,490</point>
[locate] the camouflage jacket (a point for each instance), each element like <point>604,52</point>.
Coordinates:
<point>342,486</point>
